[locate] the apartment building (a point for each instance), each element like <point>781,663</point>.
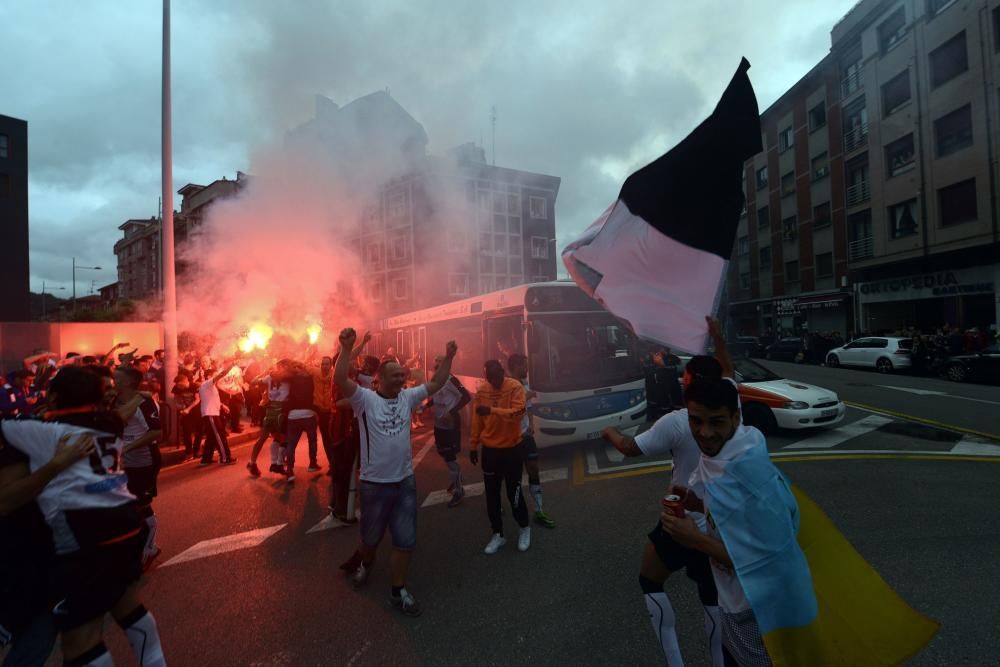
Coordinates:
<point>873,206</point>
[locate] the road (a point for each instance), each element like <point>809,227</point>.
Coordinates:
<point>918,501</point>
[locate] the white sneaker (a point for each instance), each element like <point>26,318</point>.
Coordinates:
<point>524,539</point>
<point>496,542</point>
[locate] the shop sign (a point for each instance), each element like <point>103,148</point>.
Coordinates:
<point>929,285</point>
<point>786,306</point>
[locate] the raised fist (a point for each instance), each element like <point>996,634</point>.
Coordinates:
<point>451,349</point>
<point>347,338</point>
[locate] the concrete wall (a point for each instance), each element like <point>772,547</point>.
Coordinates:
<point>20,339</point>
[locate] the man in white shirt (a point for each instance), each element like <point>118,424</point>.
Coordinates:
<point>388,490</point>
<point>212,425</point>
<point>447,408</point>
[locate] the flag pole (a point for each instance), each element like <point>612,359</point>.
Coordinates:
<point>167,226</point>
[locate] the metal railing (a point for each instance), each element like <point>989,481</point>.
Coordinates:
<point>856,137</point>
<point>862,248</point>
<point>859,193</point>
<point>852,83</point>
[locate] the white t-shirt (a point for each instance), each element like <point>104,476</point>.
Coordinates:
<point>277,392</point>
<point>93,483</point>
<point>384,427</point>
<point>671,434</point>
<point>445,401</point>
<point>732,599</point>
<point>211,404</point>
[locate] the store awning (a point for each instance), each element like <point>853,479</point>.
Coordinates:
<point>821,300</point>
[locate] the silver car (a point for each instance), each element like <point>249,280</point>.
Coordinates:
<point>883,353</point>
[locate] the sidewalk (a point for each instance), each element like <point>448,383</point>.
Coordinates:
<point>174,455</point>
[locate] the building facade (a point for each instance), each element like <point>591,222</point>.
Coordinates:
<point>14,269</point>
<point>873,207</point>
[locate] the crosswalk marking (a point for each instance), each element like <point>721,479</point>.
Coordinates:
<point>329,523</point>
<point>442,496</point>
<point>976,446</point>
<point>613,454</point>
<point>221,545</point>
<point>843,433</point>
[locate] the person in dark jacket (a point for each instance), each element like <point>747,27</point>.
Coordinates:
<point>301,413</point>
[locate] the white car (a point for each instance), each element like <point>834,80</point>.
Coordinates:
<point>770,401</point>
<point>883,353</point>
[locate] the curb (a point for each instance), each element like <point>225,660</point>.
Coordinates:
<point>174,456</point>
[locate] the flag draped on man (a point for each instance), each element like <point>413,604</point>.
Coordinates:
<point>657,257</point>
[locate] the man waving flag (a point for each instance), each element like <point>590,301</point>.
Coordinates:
<point>657,257</point>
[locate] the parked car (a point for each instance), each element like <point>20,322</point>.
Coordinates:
<point>770,401</point>
<point>747,346</point>
<point>883,353</point>
<point>983,365</point>
<point>784,349</point>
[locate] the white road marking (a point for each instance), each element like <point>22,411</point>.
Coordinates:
<point>329,523</point>
<point>613,454</point>
<point>221,545</point>
<point>442,496</point>
<point>928,392</point>
<point>972,445</point>
<point>892,452</point>
<point>419,456</point>
<point>835,436</point>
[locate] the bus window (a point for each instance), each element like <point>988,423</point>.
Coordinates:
<point>581,351</point>
<point>504,337</point>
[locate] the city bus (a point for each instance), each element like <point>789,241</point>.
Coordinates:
<point>583,363</point>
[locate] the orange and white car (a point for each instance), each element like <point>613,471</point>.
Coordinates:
<point>770,401</point>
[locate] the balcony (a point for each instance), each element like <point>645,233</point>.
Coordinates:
<point>859,249</point>
<point>852,83</point>
<point>859,193</point>
<point>856,137</point>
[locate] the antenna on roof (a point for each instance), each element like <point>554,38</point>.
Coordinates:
<point>493,119</point>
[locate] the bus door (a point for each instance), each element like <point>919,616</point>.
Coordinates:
<point>504,335</point>
<point>403,345</point>
<point>420,348</point>
<point>375,347</point>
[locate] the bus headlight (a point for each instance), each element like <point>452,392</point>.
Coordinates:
<point>636,396</point>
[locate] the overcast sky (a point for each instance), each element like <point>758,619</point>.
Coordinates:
<point>584,95</point>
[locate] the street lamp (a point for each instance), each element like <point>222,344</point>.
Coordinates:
<point>43,297</point>
<point>82,268</point>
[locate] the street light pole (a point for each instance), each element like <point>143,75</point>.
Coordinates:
<point>75,267</point>
<point>43,298</point>
<point>167,221</point>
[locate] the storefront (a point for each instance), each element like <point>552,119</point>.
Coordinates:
<point>961,298</point>
<point>814,313</point>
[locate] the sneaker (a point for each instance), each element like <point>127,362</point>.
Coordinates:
<point>148,558</point>
<point>543,519</point>
<point>289,477</point>
<point>524,539</point>
<point>231,461</point>
<point>277,469</point>
<point>313,467</point>
<point>351,564</point>
<point>343,518</point>
<point>496,542</point>
<point>205,463</point>
<point>456,498</point>
<point>405,603</point>
<point>253,469</point>
<point>360,576</point>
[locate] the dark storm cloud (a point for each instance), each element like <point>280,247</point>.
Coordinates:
<point>585,92</point>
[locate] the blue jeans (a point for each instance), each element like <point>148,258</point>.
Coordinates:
<point>391,505</point>
<point>296,427</point>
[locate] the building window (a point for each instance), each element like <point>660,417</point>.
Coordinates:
<point>398,247</point>
<point>762,178</point>
<point>539,247</point>
<point>788,184</point>
<point>786,139</point>
<point>765,257</point>
<point>853,76</point>
<point>902,219</point>
<point>792,271</point>
<point>485,284</point>
<point>817,117</point>
<point>485,264</point>
<point>499,245</point>
<point>790,228</point>
<point>378,291</point>
<point>949,60</point>
<point>516,266</point>
<point>899,156</point>
<point>953,132</point>
<point>821,216</point>
<point>935,7</point>
<point>400,289</point>
<point>397,205</point>
<point>745,281</point>
<point>4,145</point>
<point>957,203</point>
<point>457,240</point>
<point>824,264</point>
<point>458,284</point>
<point>743,245</point>
<point>763,217</point>
<point>896,93</point>
<point>892,31</point>
<point>538,208</point>
<point>374,254</point>
<point>820,167</point>
<point>855,125</point>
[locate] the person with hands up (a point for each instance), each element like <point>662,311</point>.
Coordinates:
<point>388,489</point>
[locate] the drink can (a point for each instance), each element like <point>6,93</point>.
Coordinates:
<point>673,504</point>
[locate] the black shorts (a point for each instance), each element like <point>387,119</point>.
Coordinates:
<point>528,448</point>
<point>92,581</point>
<point>448,442</point>
<point>675,556</point>
<point>142,483</point>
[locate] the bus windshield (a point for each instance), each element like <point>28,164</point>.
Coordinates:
<point>574,351</point>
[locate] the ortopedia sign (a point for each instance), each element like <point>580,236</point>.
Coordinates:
<point>978,280</point>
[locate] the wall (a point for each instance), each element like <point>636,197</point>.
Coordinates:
<point>19,339</point>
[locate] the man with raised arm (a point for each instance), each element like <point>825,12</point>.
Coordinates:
<point>388,490</point>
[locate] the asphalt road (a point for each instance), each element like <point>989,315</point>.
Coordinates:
<point>917,500</point>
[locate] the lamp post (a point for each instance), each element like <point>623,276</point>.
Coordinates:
<point>43,297</point>
<point>82,268</point>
